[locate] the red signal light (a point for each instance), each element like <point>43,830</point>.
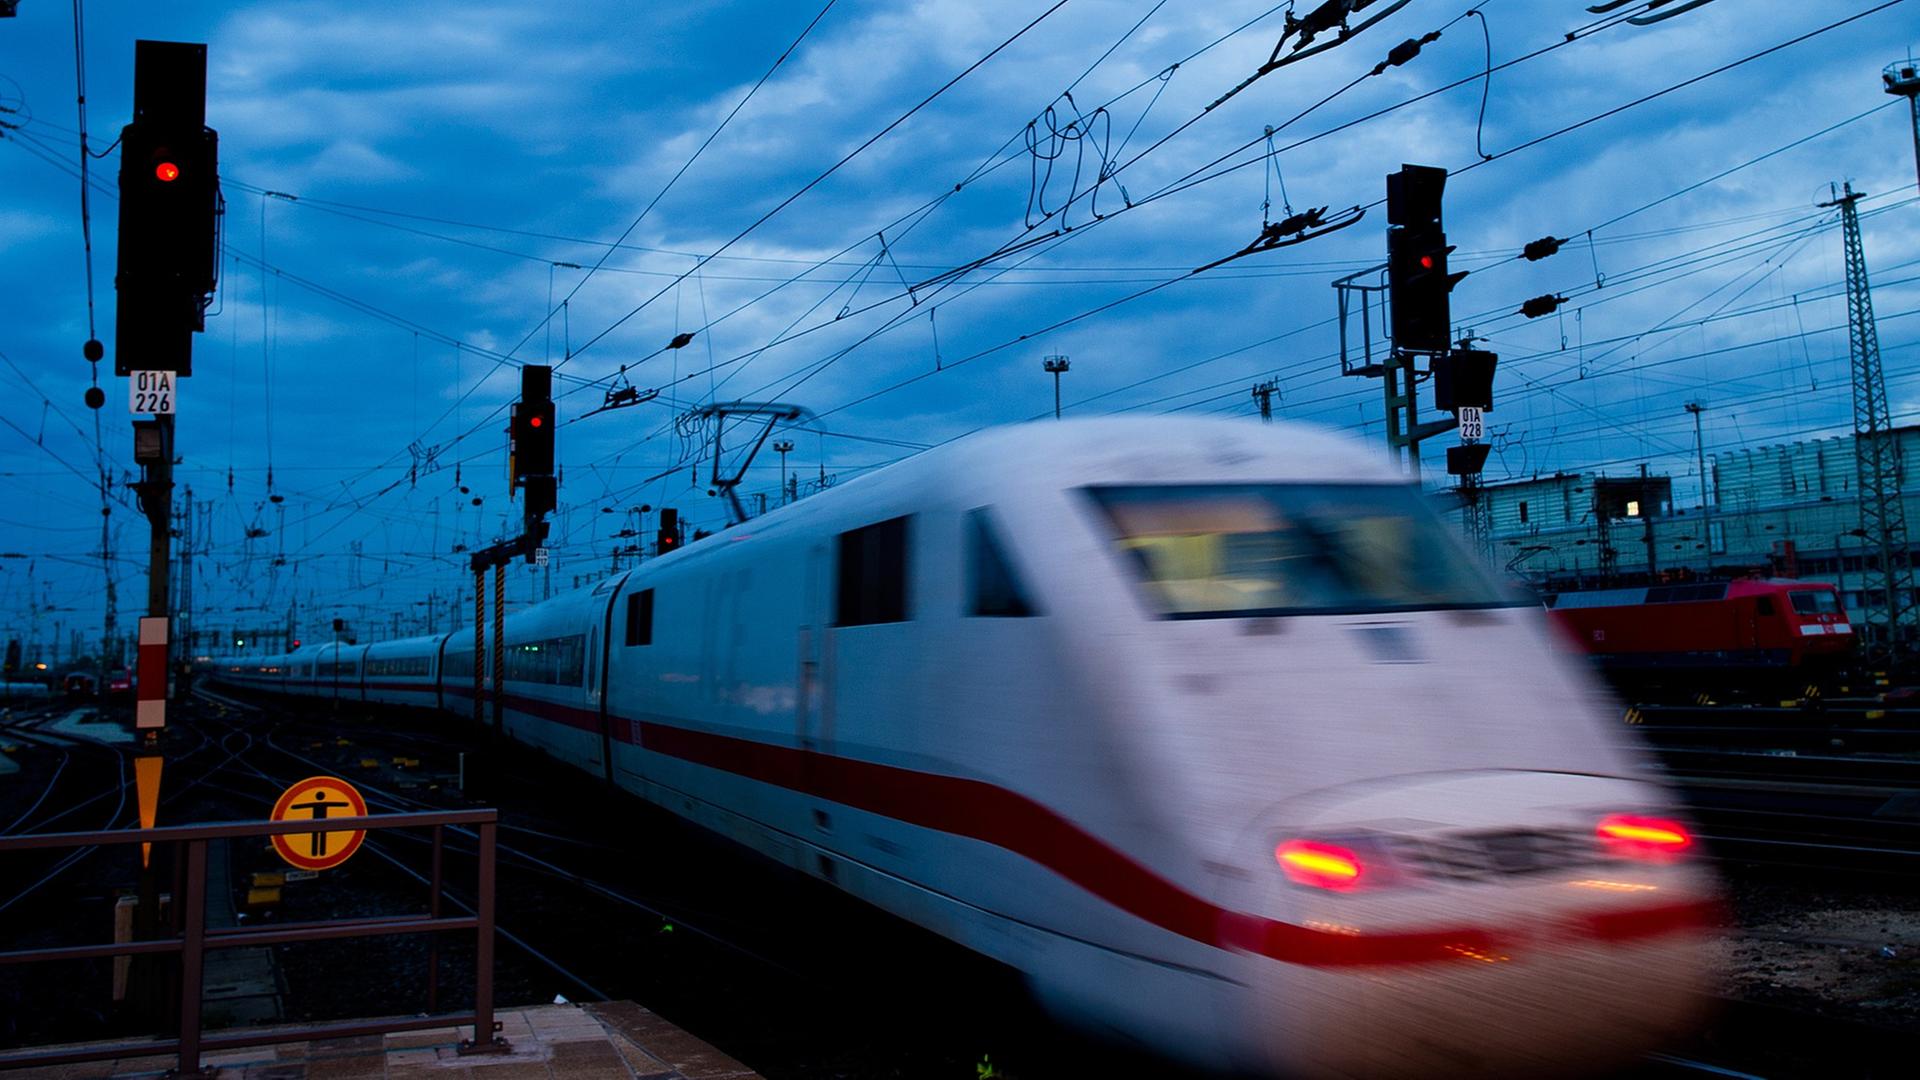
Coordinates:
<point>1426,262</point>
<point>534,422</point>
<point>167,171</point>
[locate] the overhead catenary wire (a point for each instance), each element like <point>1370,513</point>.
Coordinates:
<point>1012,343</point>
<point>1189,180</point>
<point>835,167</point>
<point>547,319</point>
<point>1143,283</point>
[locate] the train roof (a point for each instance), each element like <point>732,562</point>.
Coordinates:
<point>1689,592</point>
<point>1172,449</point>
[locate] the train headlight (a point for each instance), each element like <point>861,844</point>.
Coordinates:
<point>1341,864</point>
<point>1637,837</point>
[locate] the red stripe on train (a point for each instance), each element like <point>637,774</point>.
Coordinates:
<point>1009,820</point>
<point>1006,819</point>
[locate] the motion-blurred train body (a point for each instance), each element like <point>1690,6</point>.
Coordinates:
<point>1212,730</point>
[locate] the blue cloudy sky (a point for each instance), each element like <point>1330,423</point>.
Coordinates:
<point>459,166</point>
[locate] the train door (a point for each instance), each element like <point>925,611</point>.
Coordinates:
<point>596,757</point>
<point>603,656</point>
<point>1756,618</point>
<point>813,720</point>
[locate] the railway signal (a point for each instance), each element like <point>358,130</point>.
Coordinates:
<point>669,535</point>
<point>1463,379</point>
<point>531,430</point>
<point>1418,282</point>
<point>531,424</point>
<point>169,211</point>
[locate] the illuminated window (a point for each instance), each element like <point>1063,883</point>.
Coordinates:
<point>553,661</point>
<point>1633,508</point>
<point>1236,550</point>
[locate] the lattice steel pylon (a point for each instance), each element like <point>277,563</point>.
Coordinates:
<point>1876,454</point>
<point>1476,515</point>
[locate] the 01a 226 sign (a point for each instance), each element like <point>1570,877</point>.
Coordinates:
<point>151,392</point>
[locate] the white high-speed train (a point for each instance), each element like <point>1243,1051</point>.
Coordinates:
<point>1211,729</point>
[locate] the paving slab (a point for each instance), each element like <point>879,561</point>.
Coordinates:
<point>616,1040</point>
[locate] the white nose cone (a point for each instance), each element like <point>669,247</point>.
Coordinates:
<point>1492,929</point>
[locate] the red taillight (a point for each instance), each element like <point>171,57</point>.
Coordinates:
<point>1323,866</point>
<point>1643,837</point>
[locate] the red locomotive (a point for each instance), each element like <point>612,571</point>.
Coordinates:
<point>1747,632</point>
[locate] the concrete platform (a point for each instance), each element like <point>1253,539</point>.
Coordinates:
<point>611,1041</point>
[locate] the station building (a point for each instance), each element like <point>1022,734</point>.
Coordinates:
<point>1789,510</point>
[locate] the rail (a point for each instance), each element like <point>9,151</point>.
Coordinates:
<point>194,939</point>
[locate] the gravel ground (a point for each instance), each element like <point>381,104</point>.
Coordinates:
<point>1847,948</point>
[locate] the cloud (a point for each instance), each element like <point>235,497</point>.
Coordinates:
<point>546,121</point>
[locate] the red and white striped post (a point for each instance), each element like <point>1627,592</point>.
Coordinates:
<point>150,708</point>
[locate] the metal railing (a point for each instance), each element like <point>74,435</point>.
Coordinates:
<point>193,939</point>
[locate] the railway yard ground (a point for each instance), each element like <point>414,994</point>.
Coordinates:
<point>603,898</point>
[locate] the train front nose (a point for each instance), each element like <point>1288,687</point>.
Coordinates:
<point>1517,1009</point>
<point>1499,924</point>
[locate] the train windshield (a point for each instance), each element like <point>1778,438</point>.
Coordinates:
<point>1236,550</point>
<point>1814,602</point>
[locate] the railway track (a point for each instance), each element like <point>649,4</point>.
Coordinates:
<point>704,949</point>
<point>663,913</point>
<point>1826,786</point>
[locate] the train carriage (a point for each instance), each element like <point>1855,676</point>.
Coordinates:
<point>551,679</point>
<point>1771,635</point>
<point>1211,730</point>
<point>403,672</point>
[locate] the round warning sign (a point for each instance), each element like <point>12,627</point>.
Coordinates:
<point>318,798</point>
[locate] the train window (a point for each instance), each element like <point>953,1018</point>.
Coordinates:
<point>399,665</point>
<point>553,661</point>
<point>1814,602</point>
<point>458,663</point>
<point>1763,605</point>
<point>992,586</point>
<point>873,575</point>
<point>640,617</point>
<point>1236,550</point>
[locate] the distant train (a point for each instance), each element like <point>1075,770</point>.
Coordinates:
<point>1210,729</point>
<point>1752,633</point>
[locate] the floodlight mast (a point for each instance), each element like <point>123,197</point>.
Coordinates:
<point>1055,366</point>
<point>1902,79</point>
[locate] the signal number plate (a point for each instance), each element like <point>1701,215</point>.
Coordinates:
<point>150,392</point>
